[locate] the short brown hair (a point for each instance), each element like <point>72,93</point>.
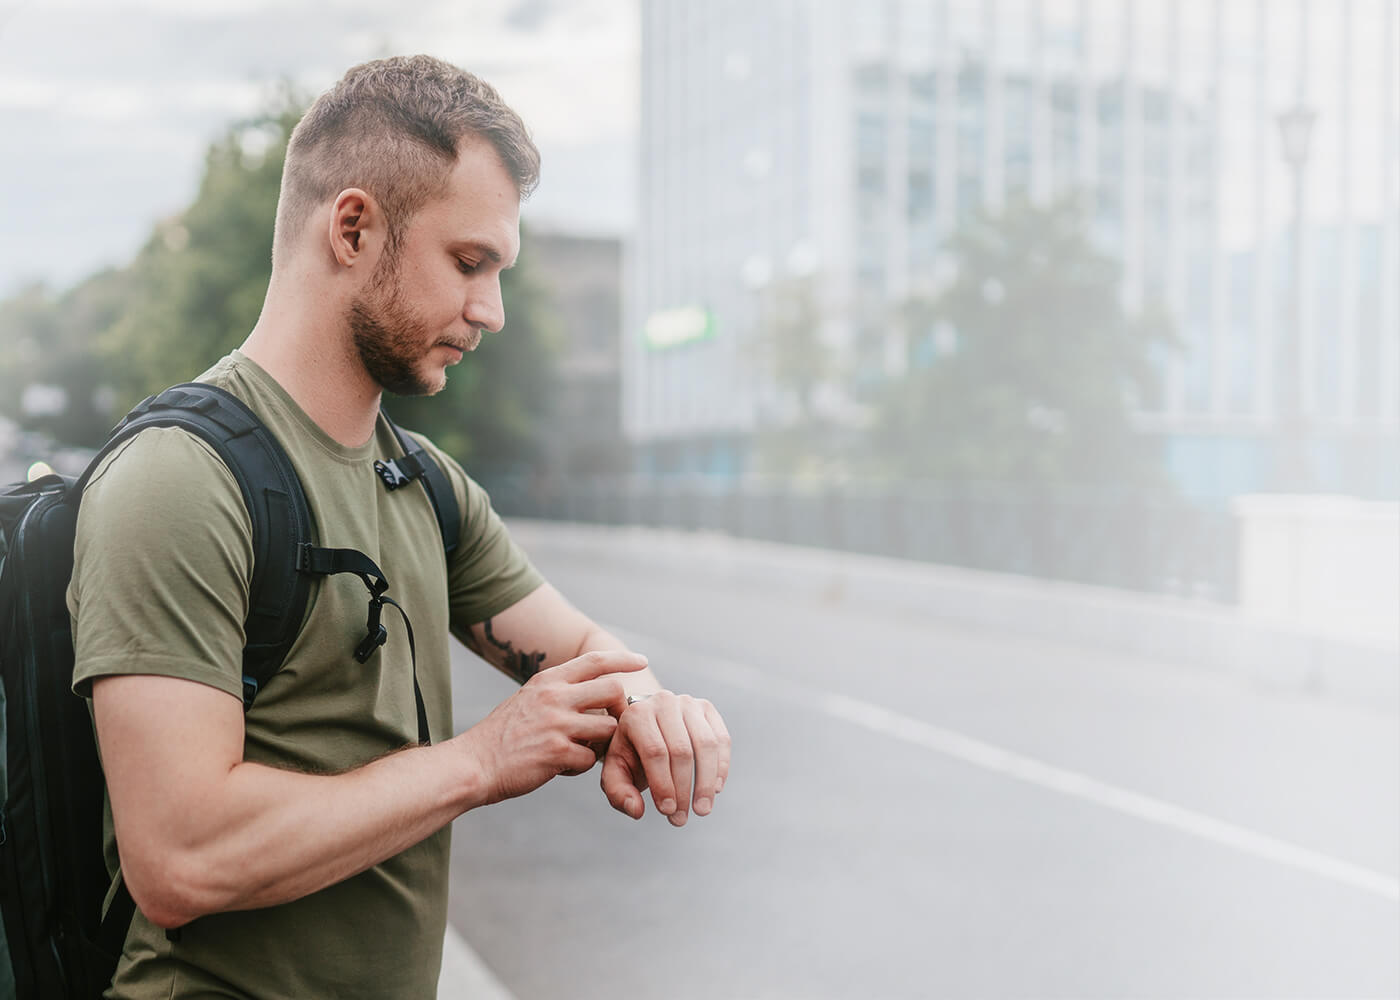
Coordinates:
<point>393,127</point>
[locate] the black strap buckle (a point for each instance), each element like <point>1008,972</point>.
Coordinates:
<point>401,471</point>
<point>375,633</point>
<point>391,474</point>
<point>250,690</point>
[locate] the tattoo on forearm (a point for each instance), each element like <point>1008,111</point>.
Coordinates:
<point>517,663</point>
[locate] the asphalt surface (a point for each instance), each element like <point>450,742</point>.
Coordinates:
<point>919,810</point>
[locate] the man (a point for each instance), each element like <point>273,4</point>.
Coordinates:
<point>303,849</point>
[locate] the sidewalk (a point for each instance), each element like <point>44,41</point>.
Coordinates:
<point>464,975</point>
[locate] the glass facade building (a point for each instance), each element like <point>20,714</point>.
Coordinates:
<point>842,144</point>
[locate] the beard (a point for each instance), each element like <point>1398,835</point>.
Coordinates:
<point>391,340</point>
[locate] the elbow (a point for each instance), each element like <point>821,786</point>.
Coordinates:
<point>170,888</point>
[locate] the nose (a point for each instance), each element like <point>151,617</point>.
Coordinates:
<point>484,307</point>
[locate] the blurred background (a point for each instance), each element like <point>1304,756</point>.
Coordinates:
<point>1025,373</point>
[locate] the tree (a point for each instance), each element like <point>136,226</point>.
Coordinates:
<point>1026,369</point>
<point>46,348</point>
<point>197,286</point>
<point>798,440</point>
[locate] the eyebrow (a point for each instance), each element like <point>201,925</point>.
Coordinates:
<point>486,250</point>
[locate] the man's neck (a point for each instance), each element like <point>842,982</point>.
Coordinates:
<point>320,373</point>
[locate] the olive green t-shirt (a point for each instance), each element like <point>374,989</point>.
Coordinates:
<point>160,585</point>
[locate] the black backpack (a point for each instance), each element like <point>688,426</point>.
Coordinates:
<point>53,878</point>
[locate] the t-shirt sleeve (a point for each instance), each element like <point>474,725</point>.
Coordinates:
<point>161,566</point>
<point>488,572</point>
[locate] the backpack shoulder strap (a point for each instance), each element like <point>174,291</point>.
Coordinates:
<point>418,463</point>
<point>276,503</point>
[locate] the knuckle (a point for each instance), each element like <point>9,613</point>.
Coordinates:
<point>653,749</point>
<point>705,742</point>
<point>548,695</point>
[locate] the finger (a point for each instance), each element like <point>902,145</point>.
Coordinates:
<point>654,758</point>
<point>575,760</point>
<point>605,692</point>
<point>590,728</point>
<point>680,757</point>
<point>618,786</point>
<point>599,662</point>
<point>706,748</point>
<point>722,735</point>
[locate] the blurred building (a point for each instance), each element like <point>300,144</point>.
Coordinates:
<point>836,146</point>
<point>583,278</point>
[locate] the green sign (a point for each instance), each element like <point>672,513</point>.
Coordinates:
<point>683,325</point>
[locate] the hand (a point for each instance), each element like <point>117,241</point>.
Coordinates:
<point>545,728</point>
<point>661,741</point>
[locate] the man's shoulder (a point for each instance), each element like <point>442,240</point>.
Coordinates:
<point>160,478</point>
<point>162,459</point>
<point>224,373</point>
<point>156,458</point>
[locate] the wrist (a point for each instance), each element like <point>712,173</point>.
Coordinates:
<point>471,783</point>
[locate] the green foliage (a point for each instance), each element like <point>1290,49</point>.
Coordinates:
<point>47,340</point>
<point>1026,369</point>
<point>195,290</point>
<point>197,286</point>
<point>794,345</point>
<point>801,442</point>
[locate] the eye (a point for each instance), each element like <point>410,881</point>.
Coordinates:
<point>466,266</point>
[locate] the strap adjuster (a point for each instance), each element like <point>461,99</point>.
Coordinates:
<point>391,474</point>
<point>250,690</point>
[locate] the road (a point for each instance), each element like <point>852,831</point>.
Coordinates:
<point>921,810</point>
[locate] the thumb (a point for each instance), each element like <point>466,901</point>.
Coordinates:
<point>618,786</point>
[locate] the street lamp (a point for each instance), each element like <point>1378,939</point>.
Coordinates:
<point>1295,129</point>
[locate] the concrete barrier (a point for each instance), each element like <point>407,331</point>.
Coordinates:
<point>1329,564</point>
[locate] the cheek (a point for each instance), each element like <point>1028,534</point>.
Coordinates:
<point>429,305</point>
<point>445,301</point>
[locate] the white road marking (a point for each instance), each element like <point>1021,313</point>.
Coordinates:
<point>1014,765</point>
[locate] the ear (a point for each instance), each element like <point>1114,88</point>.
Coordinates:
<point>356,227</point>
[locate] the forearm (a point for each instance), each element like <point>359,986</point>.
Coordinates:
<point>263,836</point>
<point>544,630</point>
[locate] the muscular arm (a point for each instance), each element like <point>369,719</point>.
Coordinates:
<point>200,830</point>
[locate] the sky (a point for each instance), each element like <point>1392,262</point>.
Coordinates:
<point>107,106</point>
